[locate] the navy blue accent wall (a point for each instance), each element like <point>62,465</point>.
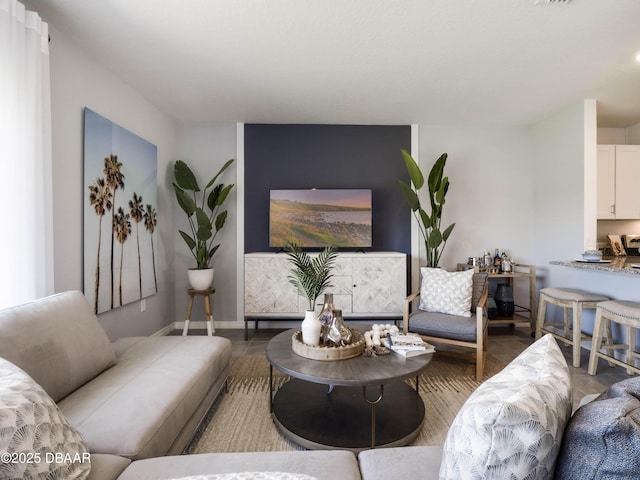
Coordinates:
<point>328,156</point>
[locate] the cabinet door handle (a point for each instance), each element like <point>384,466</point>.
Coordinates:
<point>613,208</point>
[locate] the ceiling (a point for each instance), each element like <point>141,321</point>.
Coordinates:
<point>488,62</point>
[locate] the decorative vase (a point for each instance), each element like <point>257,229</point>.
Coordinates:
<point>311,327</point>
<point>200,279</point>
<point>338,334</point>
<point>325,315</point>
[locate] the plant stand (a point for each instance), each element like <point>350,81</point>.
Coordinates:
<point>207,308</point>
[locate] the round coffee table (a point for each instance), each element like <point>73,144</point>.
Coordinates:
<point>367,404</point>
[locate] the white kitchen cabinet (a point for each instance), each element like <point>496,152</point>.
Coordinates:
<point>606,181</point>
<point>618,180</point>
<point>368,285</point>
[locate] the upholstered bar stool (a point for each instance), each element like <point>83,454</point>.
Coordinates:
<point>624,313</point>
<point>568,299</point>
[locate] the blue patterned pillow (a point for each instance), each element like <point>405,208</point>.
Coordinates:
<point>512,425</point>
<point>602,439</point>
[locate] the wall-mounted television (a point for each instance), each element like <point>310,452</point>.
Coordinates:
<point>315,218</point>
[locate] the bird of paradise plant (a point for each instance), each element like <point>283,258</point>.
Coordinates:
<point>435,239</point>
<point>203,214</point>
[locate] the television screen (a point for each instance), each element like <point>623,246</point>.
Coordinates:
<point>320,217</point>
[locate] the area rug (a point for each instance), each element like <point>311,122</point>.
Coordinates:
<point>240,421</point>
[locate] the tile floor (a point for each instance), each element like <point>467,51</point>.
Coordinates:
<point>505,343</point>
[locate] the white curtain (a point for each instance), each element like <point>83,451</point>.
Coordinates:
<point>26,232</point>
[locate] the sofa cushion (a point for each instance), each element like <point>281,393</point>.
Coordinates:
<point>138,407</point>
<point>36,440</point>
<point>320,464</point>
<point>446,292</point>
<point>602,439</point>
<point>107,467</point>
<point>444,325</point>
<point>57,340</point>
<point>406,463</point>
<point>512,425</point>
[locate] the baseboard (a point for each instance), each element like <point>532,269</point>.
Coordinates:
<point>264,324</point>
<point>165,330</point>
<point>202,325</point>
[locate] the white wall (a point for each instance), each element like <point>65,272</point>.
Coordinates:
<point>490,197</point>
<point>612,136</point>
<point>619,136</point>
<point>77,81</point>
<point>559,155</point>
<point>205,148</point>
<point>558,185</point>
<point>633,134</point>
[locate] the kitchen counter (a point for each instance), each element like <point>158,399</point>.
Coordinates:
<point>618,265</point>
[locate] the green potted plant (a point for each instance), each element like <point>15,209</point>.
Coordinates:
<point>311,276</point>
<point>435,239</point>
<point>206,218</point>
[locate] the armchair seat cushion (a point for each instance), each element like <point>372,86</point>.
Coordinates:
<point>443,325</point>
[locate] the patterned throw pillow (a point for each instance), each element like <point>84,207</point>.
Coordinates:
<point>446,292</point>
<point>602,439</point>
<point>36,440</point>
<point>512,425</point>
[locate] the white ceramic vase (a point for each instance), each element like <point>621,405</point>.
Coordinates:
<point>200,279</point>
<point>311,329</point>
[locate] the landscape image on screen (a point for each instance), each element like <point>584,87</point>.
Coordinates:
<point>317,218</point>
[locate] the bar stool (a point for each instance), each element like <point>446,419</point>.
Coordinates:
<point>621,312</point>
<point>207,309</point>
<point>567,298</point>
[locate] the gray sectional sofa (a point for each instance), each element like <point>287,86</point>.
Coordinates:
<point>137,398</point>
<point>122,410</point>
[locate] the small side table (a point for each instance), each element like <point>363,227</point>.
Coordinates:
<point>207,308</point>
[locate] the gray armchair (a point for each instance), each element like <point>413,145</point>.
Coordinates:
<point>468,332</point>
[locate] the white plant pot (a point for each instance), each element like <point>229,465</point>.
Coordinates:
<point>200,279</point>
<point>311,327</point>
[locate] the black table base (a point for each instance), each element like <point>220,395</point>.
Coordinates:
<point>307,414</point>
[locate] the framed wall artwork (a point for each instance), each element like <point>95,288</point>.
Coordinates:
<point>615,242</point>
<point>120,198</point>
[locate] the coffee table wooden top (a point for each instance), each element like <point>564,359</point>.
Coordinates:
<point>358,371</point>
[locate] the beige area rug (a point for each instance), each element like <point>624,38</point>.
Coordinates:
<point>240,421</point>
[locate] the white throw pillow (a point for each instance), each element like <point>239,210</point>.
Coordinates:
<point>446,292</point>
<point>36,440</point>
<point>512,425</point>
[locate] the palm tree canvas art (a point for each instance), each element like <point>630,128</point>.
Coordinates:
<point>120,214</point>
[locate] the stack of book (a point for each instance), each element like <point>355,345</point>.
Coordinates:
<point>407,345</point>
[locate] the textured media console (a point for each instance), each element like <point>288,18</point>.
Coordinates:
<point>368,285</point>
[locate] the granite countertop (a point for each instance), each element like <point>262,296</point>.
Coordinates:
<point>613,264</point>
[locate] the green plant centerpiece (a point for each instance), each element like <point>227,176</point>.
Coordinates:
<point>311,277</point>
<point>435,239</point>
<point>204,211</point>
